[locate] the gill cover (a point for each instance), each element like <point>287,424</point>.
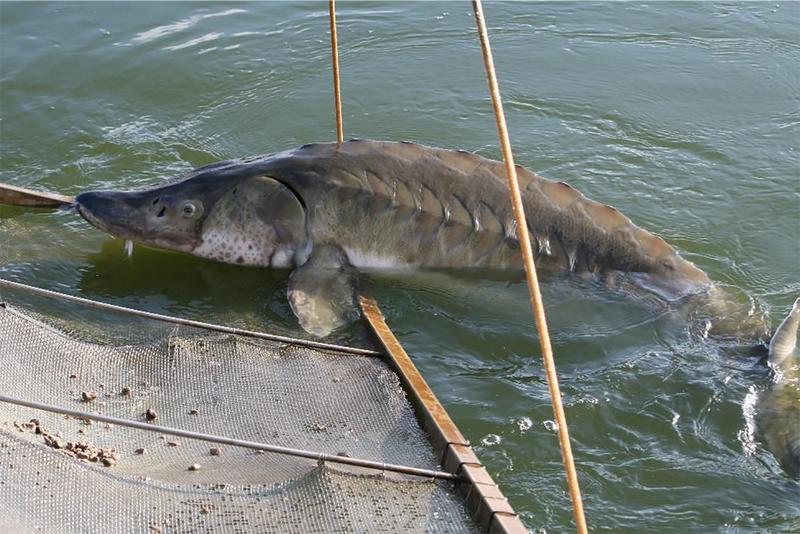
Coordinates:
<point>258,222</point>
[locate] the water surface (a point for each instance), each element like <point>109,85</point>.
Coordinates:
<point>685,116</point>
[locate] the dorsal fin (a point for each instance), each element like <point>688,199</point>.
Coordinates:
<point>608,217</point>
<point>355,147</point>
<point>406,150</point>
<point>463,161</point>
<point>316,150</point>
<point>654,245</point>
<point>560,193</point>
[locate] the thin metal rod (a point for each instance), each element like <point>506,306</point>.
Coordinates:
<point>188,322</point>
<point>530,272</point>
<point>319,456</point>
<point>337,90</point>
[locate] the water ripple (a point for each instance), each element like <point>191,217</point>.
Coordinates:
<point>211,36</point>
<point>184,24</point>
<point>682,115</point>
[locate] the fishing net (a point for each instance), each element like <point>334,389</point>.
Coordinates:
<point>63,474</point>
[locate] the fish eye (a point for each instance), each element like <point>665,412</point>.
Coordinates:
<point>191,209</point>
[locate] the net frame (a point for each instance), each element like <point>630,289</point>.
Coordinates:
<point>483,499</point>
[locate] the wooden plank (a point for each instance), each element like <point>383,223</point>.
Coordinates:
<point>435,418</point>
<point>13,195</point>
<point>482,497</point>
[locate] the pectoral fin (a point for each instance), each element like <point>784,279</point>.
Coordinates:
<point>323,292</point>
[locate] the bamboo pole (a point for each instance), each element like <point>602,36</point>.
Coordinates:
<point>530,272</point>
<point>337,90</point>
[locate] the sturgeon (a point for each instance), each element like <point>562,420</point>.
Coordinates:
<point>330,209</point>
<point>778,409</point>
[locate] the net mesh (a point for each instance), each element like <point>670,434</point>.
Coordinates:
<point>254,390</point>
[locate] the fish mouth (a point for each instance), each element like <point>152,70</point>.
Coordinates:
<point>95,208</point>
<point>96,221</point>
<point>87,215</point>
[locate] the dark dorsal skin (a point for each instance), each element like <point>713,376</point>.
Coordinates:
<point>408,204</point>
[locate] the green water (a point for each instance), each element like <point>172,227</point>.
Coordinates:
<point>685,116</point>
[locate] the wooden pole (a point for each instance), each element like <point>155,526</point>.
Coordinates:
<point>20,196</point>
<point>530,272</point>
<point>337,90</point>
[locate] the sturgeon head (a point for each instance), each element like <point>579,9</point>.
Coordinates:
<point>226,212</point>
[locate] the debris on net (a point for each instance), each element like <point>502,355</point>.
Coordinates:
<point>82,450</point>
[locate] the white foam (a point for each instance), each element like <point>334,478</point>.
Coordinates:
<point>211,36</point>
<point>183,24</point>
<point>747,435</point>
